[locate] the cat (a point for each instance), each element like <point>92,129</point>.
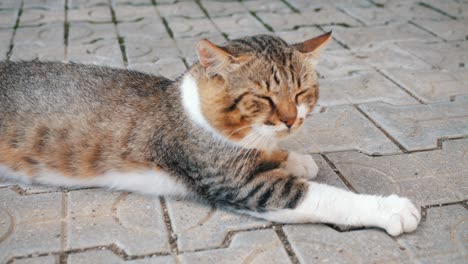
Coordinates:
<point>212,134</point>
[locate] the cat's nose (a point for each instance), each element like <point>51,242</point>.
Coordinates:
<point>288,120</point>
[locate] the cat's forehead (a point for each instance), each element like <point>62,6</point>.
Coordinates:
<point>267,46</point>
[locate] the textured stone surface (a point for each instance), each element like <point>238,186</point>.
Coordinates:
<point>395,75</point>
<point>443,238</point>
<point>340,128</point>
<point>418,127</point>
<point>29,223</point>
<point>364,86</point>
<point>321,244</point>
<point>199,226</point>
<point>428,178</point>
<point>432,85</point>
<point>132,222</point>
<point>261,246</point>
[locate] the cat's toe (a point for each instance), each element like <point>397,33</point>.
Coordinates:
<point>399,215</point>
<point>301,165</point>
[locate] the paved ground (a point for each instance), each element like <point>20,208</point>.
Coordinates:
<point>393,118</point>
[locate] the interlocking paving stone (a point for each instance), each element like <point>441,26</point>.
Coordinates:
<point>275,6</point>
<point>443,55</point>
<point>340,128</point>
<point>86,3</point>
<point>8,18</point>
<point>44,4</point>
<point>29,223</point>
<point>447,29</point>
<point>132,222</point>
<point>37,260</point>
<point>183,27</point>
<point>322,244</point>
<point>106,256</point>
<point>188,9</point>
<point>225,8</point>
<point>442,238</point>
<point>147,28</point>
<point>129,13</point>
<point>418,127</point>
<point>43,42</point>
<point>340,63</point>
<point>239,25</point>
<point>94,43</point>
<point>366,37</point>
<point>260,246</point>
<point>145,49</point>
<point>169,68</point>
<point>198,226</point>
<point>5,37</point>
<point>403,11</point>
<point>35,17</point>
<point>432,85</point>
<point>428,178</point>
<point>10,4</point>
<point>362,87</point>
<point>95,14</point>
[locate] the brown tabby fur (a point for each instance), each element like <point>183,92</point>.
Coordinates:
<point>83,121</point>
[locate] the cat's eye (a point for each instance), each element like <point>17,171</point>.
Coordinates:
<point>298,95</point>
<point>270,101</point>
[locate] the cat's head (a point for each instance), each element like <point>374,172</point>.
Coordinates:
<point>257,90</point>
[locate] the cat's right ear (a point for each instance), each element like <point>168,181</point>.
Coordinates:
<point>312,48</point>
<point>213,58</point>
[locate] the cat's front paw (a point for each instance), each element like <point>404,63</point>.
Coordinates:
<point>398,215</point>
<point>301,165</point>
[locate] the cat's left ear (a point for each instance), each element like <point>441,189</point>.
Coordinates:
<point>313,47</point>
<point>214,59</point>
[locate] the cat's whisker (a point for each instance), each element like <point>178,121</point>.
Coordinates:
<point>239,129</point>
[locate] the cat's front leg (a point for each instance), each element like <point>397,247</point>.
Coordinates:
<point>301,165</point>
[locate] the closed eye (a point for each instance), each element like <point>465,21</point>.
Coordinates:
<point>270,101</point>
<point>299,94</point>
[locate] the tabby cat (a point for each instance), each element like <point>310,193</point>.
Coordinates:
<point>210,135</point>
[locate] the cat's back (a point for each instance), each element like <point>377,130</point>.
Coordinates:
<point>55,86</point>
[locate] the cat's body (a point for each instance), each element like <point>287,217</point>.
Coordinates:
<point>211,134</point>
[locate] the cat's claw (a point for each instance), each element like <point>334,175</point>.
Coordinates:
<point>398,215</point>
<point>301,165</point>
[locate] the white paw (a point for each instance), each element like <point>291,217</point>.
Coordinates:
<point>398,215</point>
<point>301,165</point>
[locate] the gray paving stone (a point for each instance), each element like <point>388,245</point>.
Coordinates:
<point>426,177</point>
<point>183,27</point>
<point>145,49</point>
<point>197,226</point>
<point>340,128</point>
<point>260,246</point>
<point>105,256</point>
<point>34,17</point>
<point>86,3</point>
<point>44,4</point>
<point>432,85</point>
<point>100,14</point>
<point>187,46</point>
<point>267,6</point>
<point>10,4</point>
<point>27,189</point>
<point>340,63</point>
<point>188,9</point>
<point>239,25</point>
<point>5,37</point>
<point>169,68</point>
<point>403,11</point>
<point>146,27</point>
<point>322,244</point>
<point>44,42</point>
<point>365,86</point>
<point>224,8</point>
<point>37,260</point>
<point>457,9</point>
<point>133,222</point>
<point>8,18</point>
<point>94,44</point>
<point>29,223</point>
<point>369,36</point>
<point>419,127</point>
<point>445,55</point>
<point>447,29</point>
<point>133,2</point>
<point>326,174</point>
<point>442,237</point>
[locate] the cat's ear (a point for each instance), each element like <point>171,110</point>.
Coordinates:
<point>213,58</point>
<point>312,47</point>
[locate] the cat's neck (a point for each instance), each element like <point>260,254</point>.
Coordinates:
<point>191,102</point>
